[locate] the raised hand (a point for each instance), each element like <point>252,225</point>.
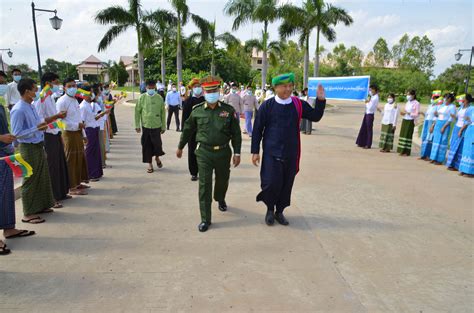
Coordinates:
<point>320,93</point>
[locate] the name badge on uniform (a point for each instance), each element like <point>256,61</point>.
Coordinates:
<point>224,114</point>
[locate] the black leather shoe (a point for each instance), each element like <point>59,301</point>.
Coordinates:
<point>270,218</point>
<point>222,206</point>
<point>194,178</point>
<point>204,226</point>
<point>281,218</point>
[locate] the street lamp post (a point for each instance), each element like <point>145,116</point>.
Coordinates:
<point>56,23</point>
<point>458,57</point>
<point>10,54</point>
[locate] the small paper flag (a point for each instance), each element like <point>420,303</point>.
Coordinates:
<point>81,93</point>
<point>45,93</point>
<point>19,166</point>
<point>57,124</point>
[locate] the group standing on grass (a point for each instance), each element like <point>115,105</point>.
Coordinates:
<point>440,144</point>
<point>49,137</point>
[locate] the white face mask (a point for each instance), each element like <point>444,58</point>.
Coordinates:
<point>390,100</point>
<point>409,97</point>
<point>174,88</point>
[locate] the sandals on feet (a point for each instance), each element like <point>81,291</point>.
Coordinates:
<point>47,211</point>
<point>57,205</point>
<point>150,170</point>
<point>22,233</point>
<point>78,192</point>
<point>34,220</point>
<point>4,250</point>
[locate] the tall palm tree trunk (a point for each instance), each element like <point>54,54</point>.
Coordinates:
<point>264,56</point>
<point>179,54</point>
<point>163,63</point>
<point>306,63</point>
<point>141,63</point>
<point>316,58</point>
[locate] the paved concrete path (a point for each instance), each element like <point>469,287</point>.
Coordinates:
<point>369,232</point>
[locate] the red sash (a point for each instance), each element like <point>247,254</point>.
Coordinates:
<point>299,110</point>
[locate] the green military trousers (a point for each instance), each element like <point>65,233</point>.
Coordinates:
<point>208,162</point>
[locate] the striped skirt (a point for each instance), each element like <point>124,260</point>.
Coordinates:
<point>386,137</point>
<point>467,159</point>
<point>440,142</point>
<point>7,195</point>
<point>455,148</point>
<point>36,191</point>
<point>426,139</point>
<point>406,137</point>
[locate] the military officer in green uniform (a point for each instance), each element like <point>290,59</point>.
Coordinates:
<point>215,124</point>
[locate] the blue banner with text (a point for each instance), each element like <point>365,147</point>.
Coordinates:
<point>354,88</point>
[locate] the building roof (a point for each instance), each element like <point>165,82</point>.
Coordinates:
<point>92,59</point>
<point>126,60</point>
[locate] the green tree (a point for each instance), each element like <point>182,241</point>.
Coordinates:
<point>118,72</point>
<point>164,29</point>
<point>62,68</point>
<point>122,19</point>
<point>255,11</point>
<point>209,41</point>
<point>381,52</point>
<point>415,54</point>
<point>290,59</point>
<point>313,15</point>
<point>183,15</point>
<point>346,61</point>
<point>452,79</point>
<point>26,71</point>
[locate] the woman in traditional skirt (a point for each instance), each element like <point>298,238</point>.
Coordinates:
<point>457,137</point>
<point>364,139</point>
<point>389,124</point>
<point>430,118</point>
<point>7,193</point>
<point>466,167</point>
<point>410,114</point>
<point>441,129</point>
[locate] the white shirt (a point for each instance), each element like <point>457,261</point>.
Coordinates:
<point>390,114</point>
<point>283,101</point>
<point>429,115</point>
<point>12,95</point>
<point>445,111</point>
<point>412,109</point>
<point>460,117</point>
<point>371,106</point>
<point>71,106</point>
<point>268,94</point>
<point>88,114</point>
<point>46,109</point>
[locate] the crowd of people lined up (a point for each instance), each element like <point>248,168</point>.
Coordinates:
<point>448,128</point>
<point>62,132</point>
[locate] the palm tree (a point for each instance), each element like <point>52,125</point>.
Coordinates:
<point>314,14</point>
<point>255,11</point>
<point>122,19</point>
<point>274,48</point>
<point>163,28</point>
<point>226,38</point>
<point>183,16</point>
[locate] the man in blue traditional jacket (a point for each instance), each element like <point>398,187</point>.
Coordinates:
<point>277,123</point>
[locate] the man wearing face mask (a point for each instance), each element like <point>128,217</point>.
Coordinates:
<point>250,104</point>
<point>235,101</point>
<point>27,127</point>
<point>278,124</point>
<point>173,103</point>
<point>196,98</point>
<point>73,137</point>
<point>12,95</point>
<point>150,115</point>
<point>46,107</point>
<point>215,125</point>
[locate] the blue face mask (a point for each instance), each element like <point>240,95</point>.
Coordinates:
<point>151,92</point>
<point>55,88</point>
<point>71,92</point>
<point>16,78</point>
<point>212,97</point>
<point>3,90</point>
<point>197,91</point>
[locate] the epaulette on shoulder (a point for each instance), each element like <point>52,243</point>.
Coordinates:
<point>198,105</point>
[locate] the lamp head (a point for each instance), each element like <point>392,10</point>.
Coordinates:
<point>458,56</point>
<point>10,53</point>
<point>56,22</point>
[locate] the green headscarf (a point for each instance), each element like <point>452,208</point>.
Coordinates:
<point>283,79</point>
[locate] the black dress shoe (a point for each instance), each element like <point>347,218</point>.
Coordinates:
<point>204,226</point>
<point>194,178</point>
<point>222,206</point>
<point>281,218</point>
<point>270,218</point>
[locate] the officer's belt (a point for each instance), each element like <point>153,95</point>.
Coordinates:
<point>213,148</point>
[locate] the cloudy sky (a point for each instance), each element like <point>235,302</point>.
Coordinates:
<point>448,23</point>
